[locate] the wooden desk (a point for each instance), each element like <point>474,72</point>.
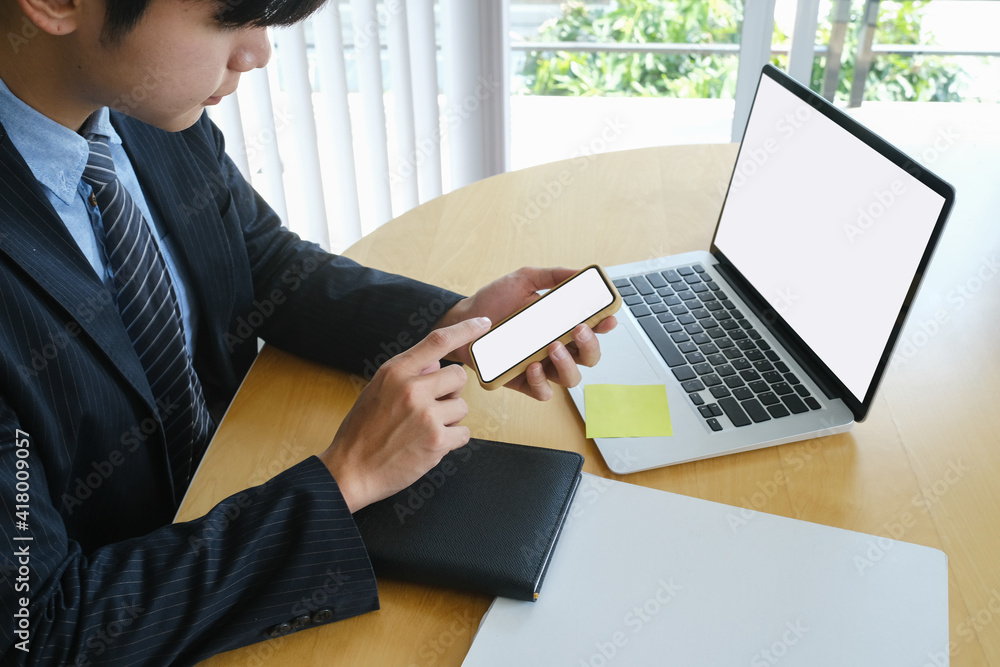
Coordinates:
<point>924,467</point>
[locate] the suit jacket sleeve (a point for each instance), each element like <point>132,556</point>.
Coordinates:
<point>285,550</point>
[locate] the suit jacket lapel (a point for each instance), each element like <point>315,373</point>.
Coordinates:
<point>32,235</point>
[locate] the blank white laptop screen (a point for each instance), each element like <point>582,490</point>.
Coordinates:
<point>832,247</point>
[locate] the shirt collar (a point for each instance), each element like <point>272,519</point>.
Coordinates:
<point>55,154</point>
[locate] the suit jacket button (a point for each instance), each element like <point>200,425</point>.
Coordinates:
<point>279,630</point>
<point>301,621</point>
<point>322,616</point>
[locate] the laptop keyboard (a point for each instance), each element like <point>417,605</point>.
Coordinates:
<point>719,358</point>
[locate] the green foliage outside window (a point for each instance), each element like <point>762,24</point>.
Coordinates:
<point>892,77</point>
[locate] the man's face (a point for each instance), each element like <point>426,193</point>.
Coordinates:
<point>176,61</point>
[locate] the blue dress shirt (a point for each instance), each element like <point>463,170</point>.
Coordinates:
<point>56,156</point>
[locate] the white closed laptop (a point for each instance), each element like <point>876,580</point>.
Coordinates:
<point>784,328</point>
<point>643,577</point>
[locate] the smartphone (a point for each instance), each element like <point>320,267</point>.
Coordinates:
<point>503,352</point>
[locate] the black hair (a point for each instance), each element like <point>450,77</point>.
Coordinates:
<point>123,15</point>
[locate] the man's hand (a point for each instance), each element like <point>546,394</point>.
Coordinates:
<point>405,420</point>
<point>512,292</point>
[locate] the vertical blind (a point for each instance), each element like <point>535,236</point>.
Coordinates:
<point>344,128</point>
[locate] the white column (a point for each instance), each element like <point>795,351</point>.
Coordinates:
<point>803,47</point>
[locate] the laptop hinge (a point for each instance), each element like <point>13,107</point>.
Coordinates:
<point>804,357</point>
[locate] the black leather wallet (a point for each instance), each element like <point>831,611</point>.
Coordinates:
<point>485,519</point>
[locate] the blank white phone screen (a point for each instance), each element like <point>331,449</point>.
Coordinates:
<point>555,314</point>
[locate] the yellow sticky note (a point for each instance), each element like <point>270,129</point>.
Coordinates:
<point>626,411</point>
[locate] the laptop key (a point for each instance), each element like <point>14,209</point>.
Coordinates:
<point>759,387</point>
<point>753,333</point>
<point>750,375</point>
<point>763,344</point>
<point>716,359</point>
<point>695,358</point>
<point>687,346</point>
<point>739,363</point>
<point>778,411</point>
<point>702,338</point>
<point>686,318</point>
<point>783,368</point>
<point>672,276</point>
<point>733,410</point>
<point>702,313</point>
<point>772,355</point>
<point>812,403</point>
<point>672,327</point>
<point>709,348</point>
<point>717,334</point>
<point>773,377</point>
<point>713,305</point>
<point>755,410</point>
<point>622,282</point>
<point>725,370</point>
<point>703,369</point>
<point>683,373</point>
<point>700,288</point>
<point>640,310</point>
<point>658,308</point>
<point>656,280</point>
<point>763,365</point>
<point>692,279</point>
<point>733,381</point>
<point>716,410</point>
<point>686,295</point>
<point>714,424</point>
<point>742,393</point>
<point>679,337</point>
<point>661,341</point>
<point>705,296</point>
<point>628,290</point>
<point>738,334</point>
<point>685,271</point>
<point>706,411</point>
<point>712,285</point>
<point>653,298</point>
<point>633,300</point>
<point>711,380</point>
<point>794,403</point>
<point>754,355</point>
<point>672,300</point>
<point>642,285</point>
<point>769,398</point>
<point>665,291</point>
<point>738,314</point>
<point>801,390</point>
<point>790,377</point>
<point>782,388</point>
<point>720,391</point>
<point>729,325</point>
<point>697,399</point>
<point>698,268</point>
<point>666,317</point>
<point>692,385</point>
<point>724,343</point>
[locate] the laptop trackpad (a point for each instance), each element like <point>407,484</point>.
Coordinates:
<point>625,359</point>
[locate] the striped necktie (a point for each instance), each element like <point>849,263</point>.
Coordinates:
<point>150,313</point>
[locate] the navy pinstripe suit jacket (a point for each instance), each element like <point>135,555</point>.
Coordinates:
<point>96,573</point>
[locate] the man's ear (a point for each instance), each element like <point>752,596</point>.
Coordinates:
<point>56,17</point>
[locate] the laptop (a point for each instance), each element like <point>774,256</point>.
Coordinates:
<point>783,329</point>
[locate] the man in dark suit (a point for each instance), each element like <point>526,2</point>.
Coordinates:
<point>132,256</point>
